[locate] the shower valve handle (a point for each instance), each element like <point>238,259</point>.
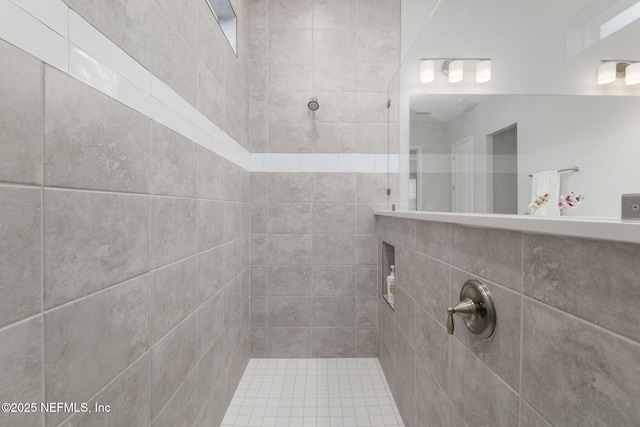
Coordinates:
<point>465,308</point>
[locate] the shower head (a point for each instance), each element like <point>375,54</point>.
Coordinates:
<point>313,104</point>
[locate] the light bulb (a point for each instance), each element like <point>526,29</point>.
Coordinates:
<point>426,71</point>
<point>607,73</point>
<point>632,74</point>
<point>483,71</point>
<point>455,71</point>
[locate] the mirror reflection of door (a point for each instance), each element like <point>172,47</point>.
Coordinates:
<point>414,185</point>
<point>503,149</point>
<point>462,175</point>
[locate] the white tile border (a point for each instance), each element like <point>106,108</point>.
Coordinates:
<point>55,34</point>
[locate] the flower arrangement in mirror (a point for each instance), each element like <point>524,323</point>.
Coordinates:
<point>570,201</point>
<point>537,202</point>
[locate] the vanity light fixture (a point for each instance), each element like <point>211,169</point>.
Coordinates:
<point>453,68</point>
<point>612,69</point>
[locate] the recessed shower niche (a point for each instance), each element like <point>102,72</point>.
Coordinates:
<point>387,275</point>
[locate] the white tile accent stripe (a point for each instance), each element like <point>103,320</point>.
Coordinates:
<point>55,34</point>
<point>313,393</point>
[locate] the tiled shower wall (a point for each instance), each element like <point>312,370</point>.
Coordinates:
<point>313,264</point>
<point>566,350</point>
<point>125,246</point>
<point>313,234</point>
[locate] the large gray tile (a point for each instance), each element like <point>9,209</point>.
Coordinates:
<point>259,249</point>
<point>236,258</point>
<point>21,116</point>
<point>91,140</point>
<point>259,312</point>
<point>234,297</point>
<point>432,291</point>
<point>333,137</point>
<point>211,367</point>
<point>432,404</point>
<point>125,22</point>
<point>375,76</point>
<point>366,342</point>
<point>530,418</point>
<point>378,45</point>
<point>434,239</point>
<point>290,249</point>
<point>574,373</point>
<point>334,188</point>
<point>477,393</point>
<point>173,296</point>
<point>333,342</point>
<point>367,249</point>
<point>80,361</point>
<point>237,220</point>
<point>259,280</point>
<point>334,14</point>
<point>284,106</point>
<point>289,342</point>
<point>91,241</point>
<point>172,163</point>
<point>366,312</point>
<point>20,252</point>
<point>171,361</point>
<point>490,253</point>
<point>371,188</point>
<point>182,408</point>
<point>210,273</point>
<point>214,408</point>
<point>290,280</point>
<point>211,41</point>
<point>378,15</point>
<point>289,218</point>
<point>405,308</point>
<point>259,218</point>
<point>173,229</point>
<point>171,58</point>
<point>334,218</point>
<point>333,280</point>
<point>210,175</point>
<point>129,398</point>
<point>403,385</point>
<point>407,270</point>
<point>294,137</point>
<point>333,312</point>
<point>288,187</point>
<point>591,279</point>
<point>334,249</point>
<point>289,312</point>
<point>290,13</point>
<point>183,16</point>
<point>210,97</point>
<point>210,323</point>
<point>337,45</point>
<point>259,342</point>
<point>431,344</point>
<point>365,219</point>
<point>21,367</point>
<point>367,281</point>
<point>291,45</point>
<point>290,75</point>
<point>502,352</point>
<point>211,224</point>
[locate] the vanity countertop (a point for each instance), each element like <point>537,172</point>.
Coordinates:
<point>590,228</point>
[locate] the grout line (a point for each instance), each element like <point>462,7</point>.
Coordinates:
<point>42,252</point>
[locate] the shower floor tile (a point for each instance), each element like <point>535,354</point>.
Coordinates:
<point>313,393</point>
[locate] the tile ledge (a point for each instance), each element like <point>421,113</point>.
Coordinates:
<point>588,228</point>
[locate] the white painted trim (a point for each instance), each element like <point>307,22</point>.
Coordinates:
<point>588,228</point>
<point>320,162</point>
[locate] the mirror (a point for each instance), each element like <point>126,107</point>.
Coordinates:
<point>470,147</point>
